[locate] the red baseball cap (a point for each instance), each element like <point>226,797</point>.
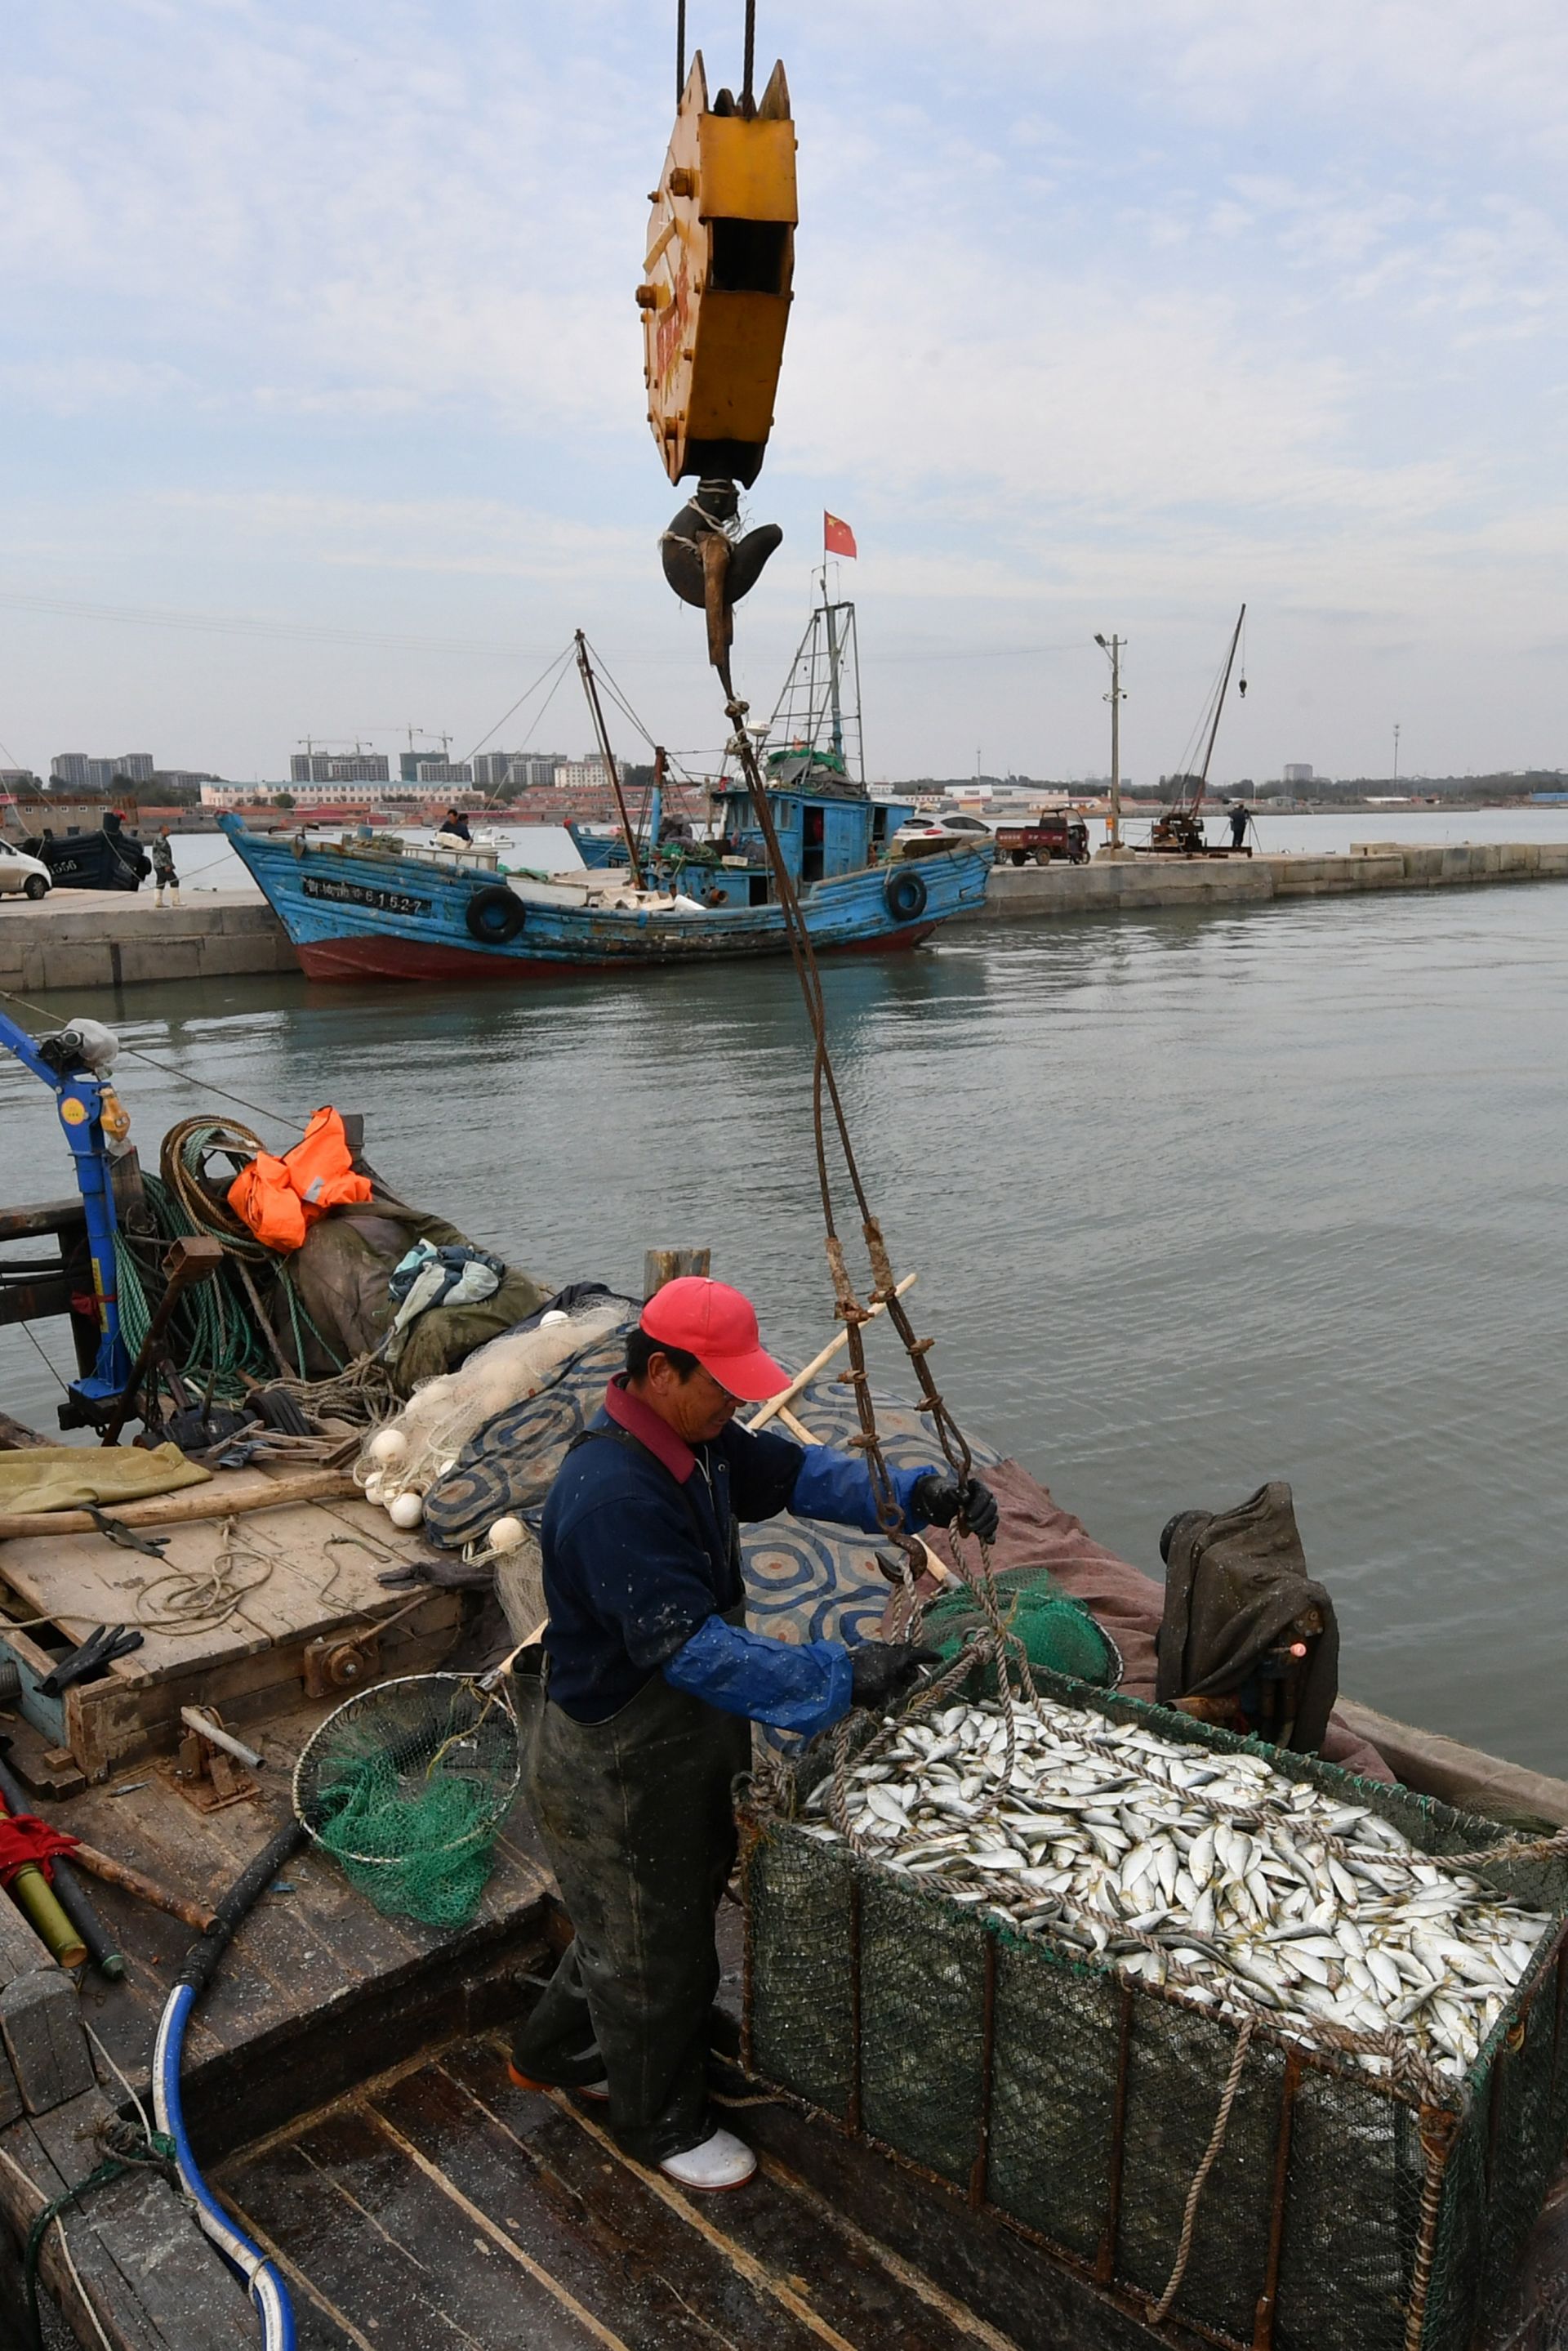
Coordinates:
<point>717,1325</point>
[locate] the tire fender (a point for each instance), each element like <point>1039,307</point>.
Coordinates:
<point>903,893</point>
<point>494,915</point>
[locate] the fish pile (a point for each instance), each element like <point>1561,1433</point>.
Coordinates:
<point>1248,1891</point>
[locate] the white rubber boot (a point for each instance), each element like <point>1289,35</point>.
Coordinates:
<point>722,2161</point>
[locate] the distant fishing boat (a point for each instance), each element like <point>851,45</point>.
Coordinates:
<point>359,909</point>
<point>364,908</point>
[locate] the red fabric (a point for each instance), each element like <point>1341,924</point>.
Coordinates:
<point>837,538</point>
<point>1035,1532</point>
<point>24,1838</point>
<point>280,1199</point>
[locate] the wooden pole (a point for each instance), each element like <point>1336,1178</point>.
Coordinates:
<point>660,1266</point>
<point>228,1495</point>
<point>146,1889</point>
<point>775,1405</point>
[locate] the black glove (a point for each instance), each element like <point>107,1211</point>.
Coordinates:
<point>941,1499</point>
<point>881,1671</point>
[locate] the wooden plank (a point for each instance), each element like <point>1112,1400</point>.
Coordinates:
<point>1465,1776</point>
<point>41,2029</point>
<point>116,1721</point>
<point>155,2282</point>
<point>16,1436</point>
<point>616,2205</point>
<point>43,1216</point>
<point>357,2218</point>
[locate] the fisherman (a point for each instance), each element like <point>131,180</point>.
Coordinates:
<point>164,872</point>
<point>1240,820</point>
<point>650,1684</point>
<point>455,822</point>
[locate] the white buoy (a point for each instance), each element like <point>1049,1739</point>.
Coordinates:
<point>507,1534</point>
<point>388,1449</point>
<point>447,1468</point>
<point>407,1510</point>
<point>555,1315</point>
<point>374,1487</point>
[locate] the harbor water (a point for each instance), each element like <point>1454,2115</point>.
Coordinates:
<point>1196,1199</point>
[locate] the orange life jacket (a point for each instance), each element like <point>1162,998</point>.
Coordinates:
<point>280,1199</point>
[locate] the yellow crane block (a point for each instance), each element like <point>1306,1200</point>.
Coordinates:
<point>715,294</point>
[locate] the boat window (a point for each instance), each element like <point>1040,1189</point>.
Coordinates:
<point>749,256</point>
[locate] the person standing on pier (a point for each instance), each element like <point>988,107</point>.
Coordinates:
<point>651,1683</point>
<point>165,875</point>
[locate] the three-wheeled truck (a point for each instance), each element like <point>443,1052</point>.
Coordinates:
<point>1053,834</point>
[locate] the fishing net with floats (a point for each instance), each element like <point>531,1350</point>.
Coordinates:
<point>406,1785</point>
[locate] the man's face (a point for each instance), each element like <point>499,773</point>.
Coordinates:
<point>695,1408</point>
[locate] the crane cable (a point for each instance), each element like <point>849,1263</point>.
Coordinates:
<point>847,1308</point>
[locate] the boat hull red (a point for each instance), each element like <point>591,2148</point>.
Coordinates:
<point>389,957</point>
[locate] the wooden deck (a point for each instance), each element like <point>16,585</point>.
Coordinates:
<point>444,2206</point>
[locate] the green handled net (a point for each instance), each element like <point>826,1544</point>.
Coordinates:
<point>407,1785</point>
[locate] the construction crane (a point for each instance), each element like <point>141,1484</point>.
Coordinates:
<point>1179,831</point>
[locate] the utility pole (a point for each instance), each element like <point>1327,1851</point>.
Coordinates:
<point>1113,646</point>
<point>1395,751</point>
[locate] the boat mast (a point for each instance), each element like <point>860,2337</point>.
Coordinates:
<point>830,613</point>
<point>590,687</point>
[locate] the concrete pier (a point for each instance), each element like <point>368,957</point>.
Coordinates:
<point>1110,885</point>
<point>101,938</point>
<point>109,938</point>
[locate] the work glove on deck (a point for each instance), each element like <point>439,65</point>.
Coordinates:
<point>940,1498</point>
<point>881,1671</point>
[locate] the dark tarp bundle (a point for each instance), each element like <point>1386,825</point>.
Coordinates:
<point>342,1274</point>
<point>1235,1582</point>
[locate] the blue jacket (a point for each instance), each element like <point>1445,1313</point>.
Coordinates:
<point>642,1565</point>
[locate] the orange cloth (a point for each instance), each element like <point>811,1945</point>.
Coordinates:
<point>280,1199</point>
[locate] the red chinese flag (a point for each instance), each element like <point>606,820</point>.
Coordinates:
<point>837,538</point>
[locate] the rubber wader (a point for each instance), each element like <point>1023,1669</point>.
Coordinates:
<point>636,1819</point>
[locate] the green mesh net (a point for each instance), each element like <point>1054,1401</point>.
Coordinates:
<point>407,1786</point>
<point>1057,1633</point>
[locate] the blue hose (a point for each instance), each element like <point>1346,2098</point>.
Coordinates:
<point>260,2275</point>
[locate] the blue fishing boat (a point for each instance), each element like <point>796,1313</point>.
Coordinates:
<point>368,908</point>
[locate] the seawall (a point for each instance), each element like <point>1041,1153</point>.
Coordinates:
<point>1109,885</point>
<point>101,938</point>
<point>107,938</point>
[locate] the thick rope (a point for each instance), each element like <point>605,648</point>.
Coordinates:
<point>1156,2310</point>
<point>825,1097</point>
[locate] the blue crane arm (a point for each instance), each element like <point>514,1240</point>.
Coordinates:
<point>79,1101</point>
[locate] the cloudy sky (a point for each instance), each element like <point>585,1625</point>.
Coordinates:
<point>324,415</point>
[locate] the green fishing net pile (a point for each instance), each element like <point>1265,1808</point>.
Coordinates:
<point>407,1787</point>
<point>1057,1633</point>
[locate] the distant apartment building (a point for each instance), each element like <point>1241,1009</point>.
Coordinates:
<point>305,793</point>
<point>581,775</point>
<point>79,771</point>
<point>536,771</point>
<point>442,772</point>
<point>339,768</point>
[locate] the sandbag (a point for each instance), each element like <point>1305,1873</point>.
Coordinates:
<point>1236,1583</point>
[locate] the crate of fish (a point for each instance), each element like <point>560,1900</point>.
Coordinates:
<point>1266,2052</point>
